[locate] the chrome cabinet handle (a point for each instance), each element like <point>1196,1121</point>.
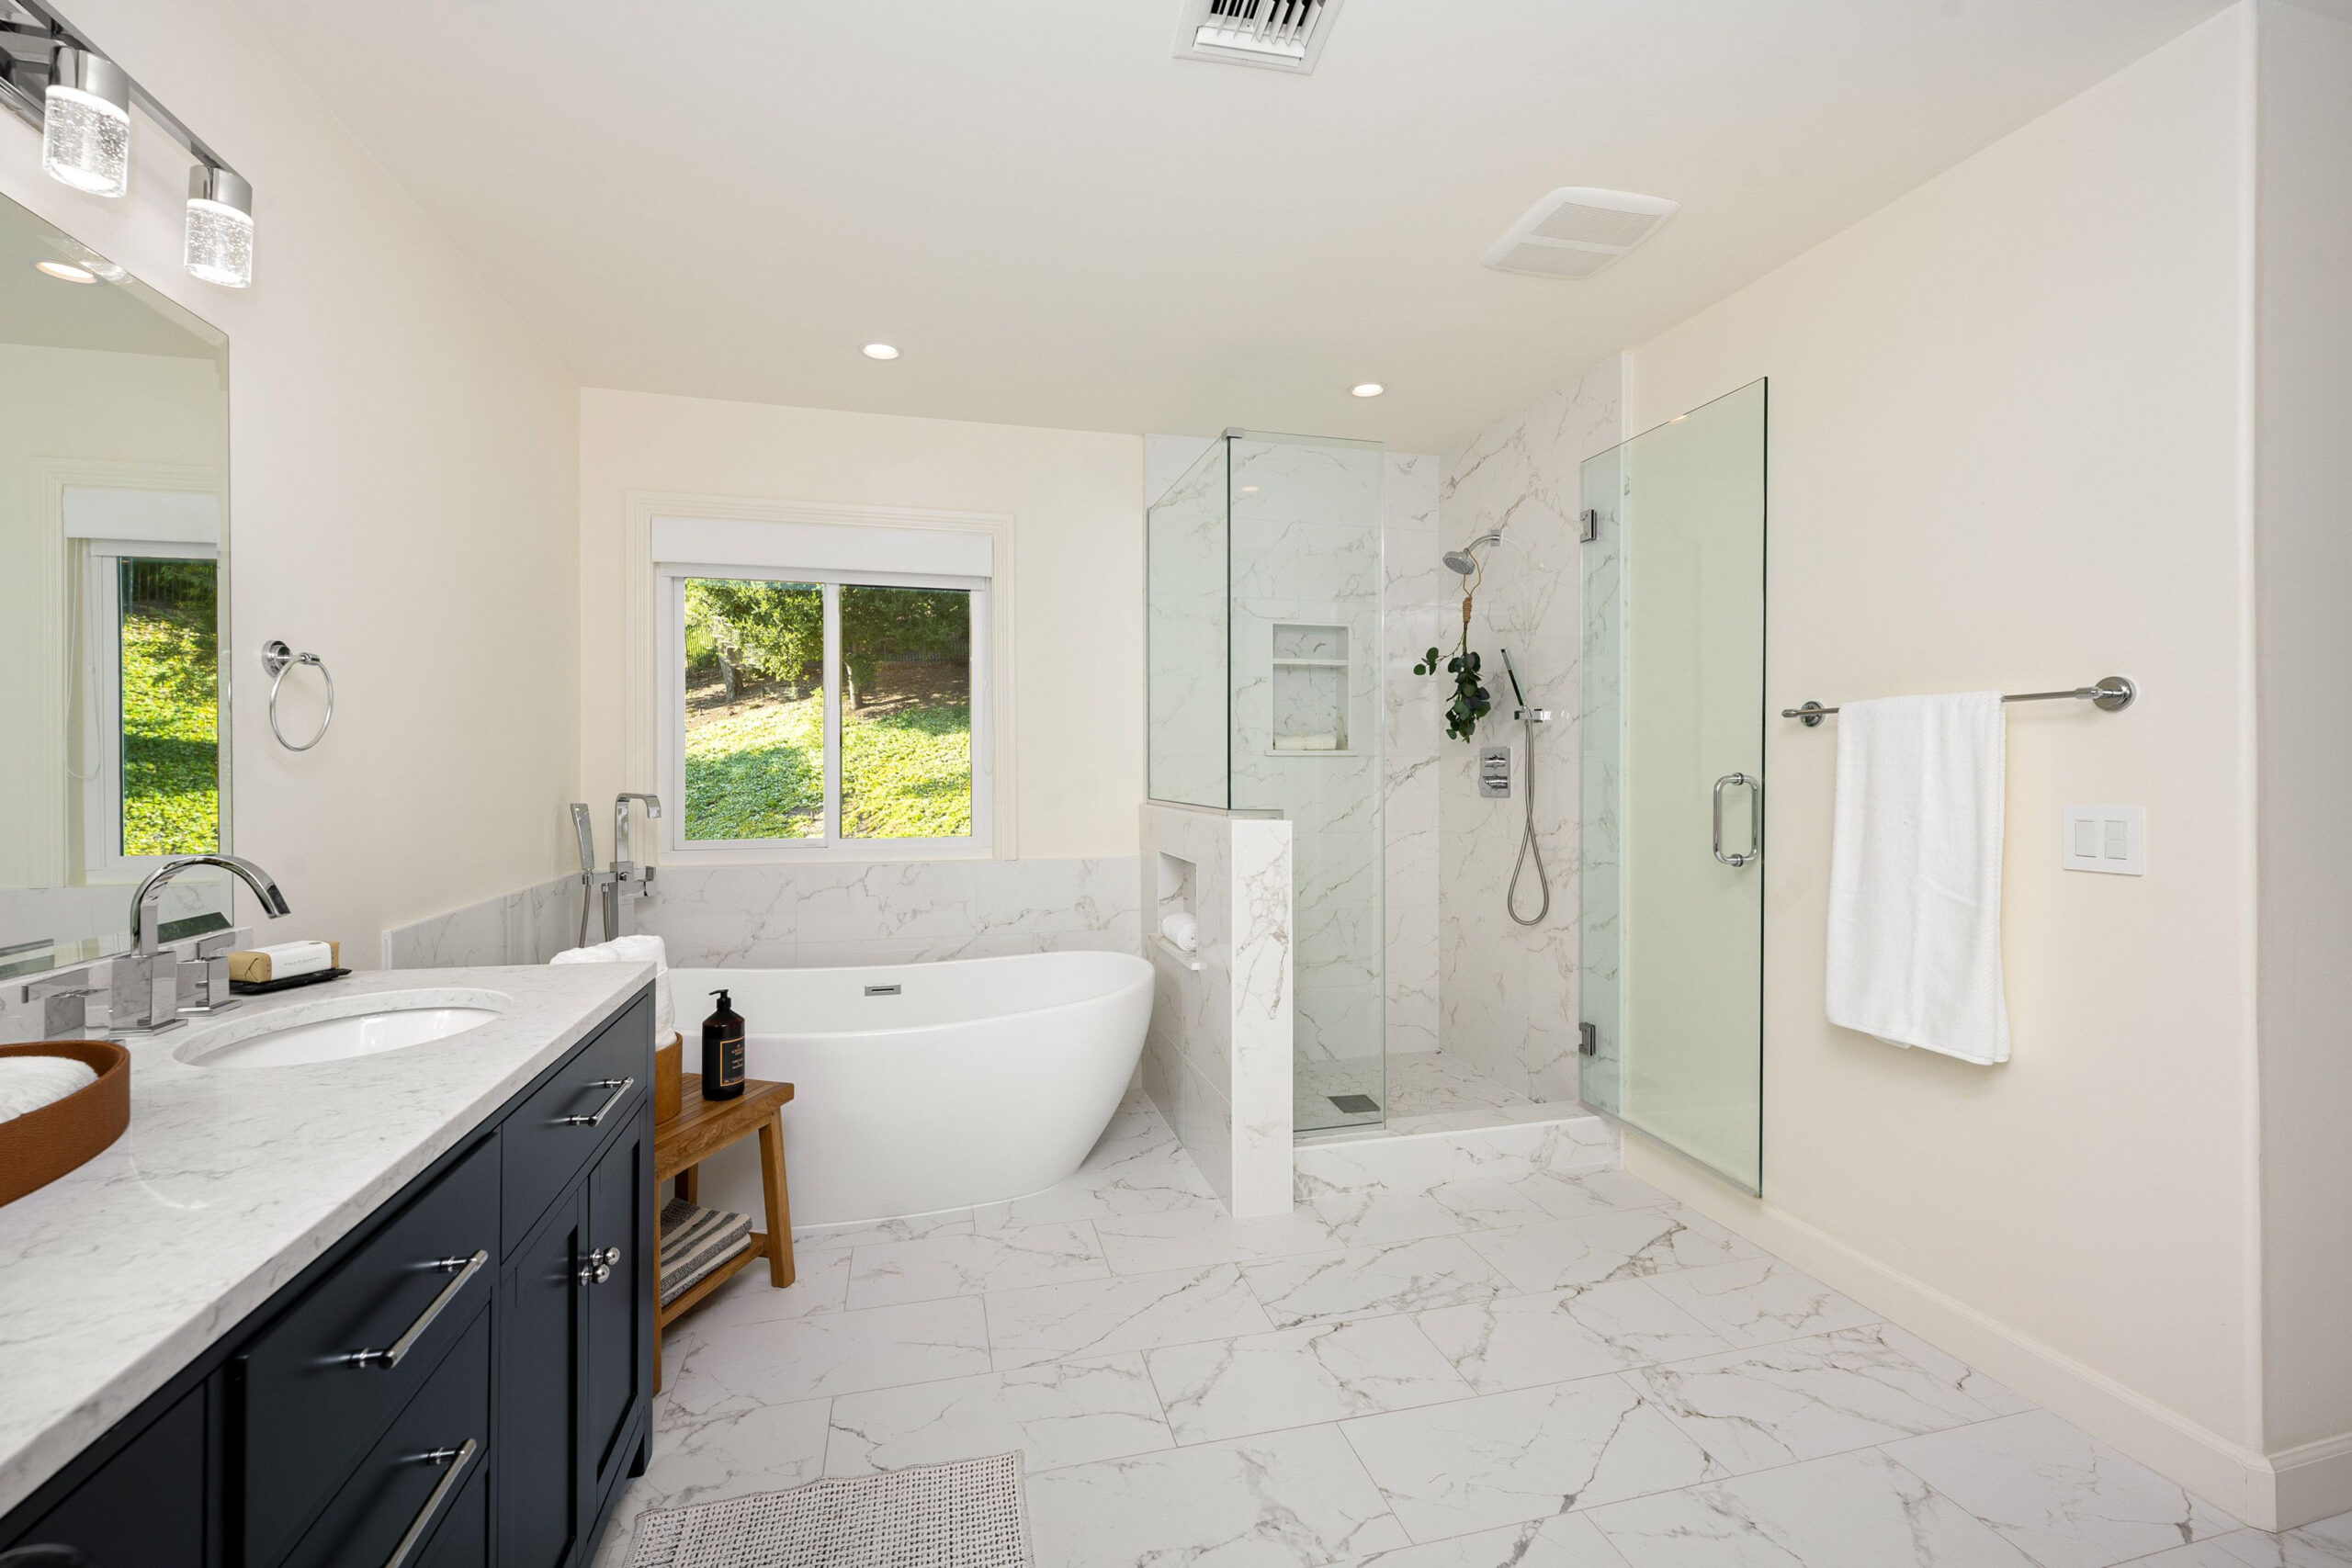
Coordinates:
<point>620,1087</point>
<point>457,1458</point>
<point>467,1267</point>
<point>599,1266</point>
<point>1754,850</point>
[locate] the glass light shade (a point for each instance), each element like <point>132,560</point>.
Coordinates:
<point>220,244</point>
<point>85,141</point>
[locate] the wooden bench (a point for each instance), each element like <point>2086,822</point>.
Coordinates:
<point>700,1129</point>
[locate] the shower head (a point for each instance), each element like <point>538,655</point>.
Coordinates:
<point>1465,559</point>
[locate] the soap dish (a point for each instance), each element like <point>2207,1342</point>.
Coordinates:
<point>43,1145</point>
<point>263,987</point>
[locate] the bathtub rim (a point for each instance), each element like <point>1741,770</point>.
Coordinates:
<point>1146,975</point>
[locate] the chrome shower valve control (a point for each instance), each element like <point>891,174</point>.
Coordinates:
<point>1494,771</point>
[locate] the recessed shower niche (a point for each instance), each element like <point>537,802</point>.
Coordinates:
<point>1264,665</point>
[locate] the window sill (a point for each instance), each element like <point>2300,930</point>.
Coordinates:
<point>861,851</point>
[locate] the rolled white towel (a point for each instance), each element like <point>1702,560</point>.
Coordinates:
<point>27,1083</point>
<point>634,949</point>
<point>1183,930</point>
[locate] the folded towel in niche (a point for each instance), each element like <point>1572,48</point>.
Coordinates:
<point>634,949</point>
<point>1183,930</point>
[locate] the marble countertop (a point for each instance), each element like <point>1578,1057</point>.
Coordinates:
<point>229,1181</point>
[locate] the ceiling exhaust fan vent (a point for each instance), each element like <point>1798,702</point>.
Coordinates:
<point>1281,35</point>
<point>1577,231</point>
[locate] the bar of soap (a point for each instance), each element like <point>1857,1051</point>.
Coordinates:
<point>284,960</point>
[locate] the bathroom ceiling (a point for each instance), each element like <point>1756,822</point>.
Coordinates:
<point>1059,223</point>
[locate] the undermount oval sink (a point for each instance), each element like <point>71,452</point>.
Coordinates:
<point>343,1029</point>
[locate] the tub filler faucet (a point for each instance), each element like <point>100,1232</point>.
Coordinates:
<point>627,880</point>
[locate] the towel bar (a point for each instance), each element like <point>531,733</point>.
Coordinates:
<point>2112,694</point>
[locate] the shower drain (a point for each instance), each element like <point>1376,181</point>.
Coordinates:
<point>1354,1104</point>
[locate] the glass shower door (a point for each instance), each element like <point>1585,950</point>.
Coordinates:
<point>1673,754</point>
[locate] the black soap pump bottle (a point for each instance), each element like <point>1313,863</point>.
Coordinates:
<point>722,1052</point>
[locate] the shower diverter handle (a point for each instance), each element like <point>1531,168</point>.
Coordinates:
<point>1754,850</point>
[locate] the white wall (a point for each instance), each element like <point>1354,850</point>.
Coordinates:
<point>2303,652</point>
<point>2005,452</point>
<point>402,492</point>
<point>1076,500</point>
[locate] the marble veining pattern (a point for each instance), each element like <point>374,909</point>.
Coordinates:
<point>229,1182</point>
<point>1424,1411</point>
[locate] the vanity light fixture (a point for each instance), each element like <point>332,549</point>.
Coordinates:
<point>57,81</point>
<point>1366,390</point>
<point>879,351</point>
<point>65,272</point>
<point>220,226</point>
<point>85,122</point>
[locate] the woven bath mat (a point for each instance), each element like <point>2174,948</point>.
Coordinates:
<point>968,1514</point>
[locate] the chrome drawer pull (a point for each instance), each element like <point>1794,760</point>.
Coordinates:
<point>599,1266</point>
<point>620,1087</point>
<point>421,1525</point>
<point>466,1269</point>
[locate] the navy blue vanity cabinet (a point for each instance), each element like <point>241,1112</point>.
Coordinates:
<point>463,1381</point>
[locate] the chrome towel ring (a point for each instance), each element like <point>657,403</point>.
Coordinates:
<point>277,659</point>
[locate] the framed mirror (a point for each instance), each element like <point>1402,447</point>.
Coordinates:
<point>114,599</point>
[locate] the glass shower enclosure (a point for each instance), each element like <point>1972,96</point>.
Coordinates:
<point>1672,739</point>
<point>1263,618</point>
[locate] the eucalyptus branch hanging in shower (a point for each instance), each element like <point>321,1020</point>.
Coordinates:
<point>1472,701</point>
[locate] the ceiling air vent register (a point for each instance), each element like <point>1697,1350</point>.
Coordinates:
<point>1577,231</point>
<point>1281,35</point>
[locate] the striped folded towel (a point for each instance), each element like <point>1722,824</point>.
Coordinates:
<point>696,1240</point>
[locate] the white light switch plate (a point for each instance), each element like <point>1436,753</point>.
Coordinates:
<point>2105,838</point>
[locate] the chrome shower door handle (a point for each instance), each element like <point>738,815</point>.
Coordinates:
<point>1755,787</point>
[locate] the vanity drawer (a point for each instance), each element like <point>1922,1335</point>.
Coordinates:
<point>551,1135</point>
<point>309,1409</point>
<point>422,1483</point>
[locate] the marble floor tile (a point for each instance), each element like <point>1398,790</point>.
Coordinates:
<point>2327,1544</point>
<point>1565,1540</point>
<point>1803,1399</point>
<point>1195,1238</point>
<point>1624,1244</point>
<point>1293,1499</point>
<point>863,1233</point>
<point>1405,1275</point>
<point>766,1449</point>
<point>1133,1312</point>
<point>1137,1167</point>
<point>1758,1300</point>
<point>1506,1458</point>
<point>1370,1216</point>
<point>1422,1083</point>
<point>1057,1413</point>
<point>1595,1192</point>
<point>1858,1511</point>
<point>2062,1498</point>
<point>1949,1370</point>
<point>820,1283</point>
<point>888,1273</point>
<point>738,1367</point>
<point>1521,1341</point>
<point>1298,1377</point>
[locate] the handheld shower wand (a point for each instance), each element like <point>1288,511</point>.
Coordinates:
<point>1527,848</point>
<point>586,833</point>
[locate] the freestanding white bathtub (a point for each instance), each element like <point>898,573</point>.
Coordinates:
<point>920,1087</point>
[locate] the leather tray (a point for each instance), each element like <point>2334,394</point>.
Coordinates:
<point>41,1145</point>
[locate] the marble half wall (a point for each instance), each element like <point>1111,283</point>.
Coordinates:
<point>1217,1058</point>
<point>1508,992</point>
<point>810,915</point>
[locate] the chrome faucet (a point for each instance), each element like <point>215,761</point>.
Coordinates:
<point>199,982</point>
<point>627,879</point>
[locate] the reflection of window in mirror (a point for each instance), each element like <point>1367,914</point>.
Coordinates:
<point>113,589</point>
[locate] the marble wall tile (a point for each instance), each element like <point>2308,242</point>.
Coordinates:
<point>1217,1056</point>
<point>1420,600</point>
<point>1507,993</point>
<point>809,915</point>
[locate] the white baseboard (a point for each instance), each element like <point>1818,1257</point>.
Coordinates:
<point>2311,1482</point>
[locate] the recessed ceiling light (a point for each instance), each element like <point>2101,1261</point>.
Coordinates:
<point>879,351</point>
<point>1366,390</point>
<point>66,271</point>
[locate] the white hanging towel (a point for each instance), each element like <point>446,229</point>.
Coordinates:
<point>1914,875</point>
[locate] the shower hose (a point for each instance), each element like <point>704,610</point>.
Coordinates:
<point>1529,849</point>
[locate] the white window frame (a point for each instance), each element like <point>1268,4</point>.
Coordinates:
<point>671,592</point>
<point>103,862</point>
